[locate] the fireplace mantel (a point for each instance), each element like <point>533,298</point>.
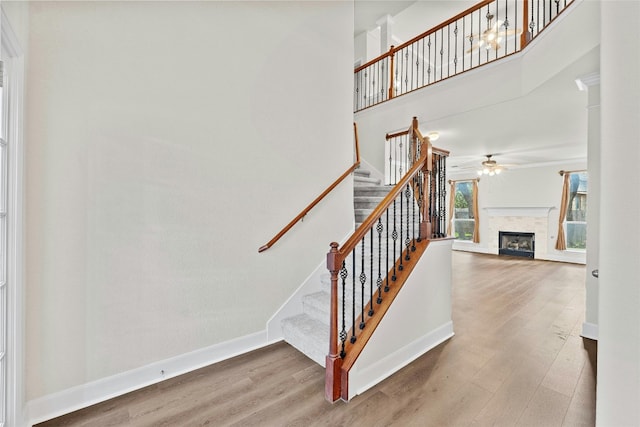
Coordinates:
<point>519,211</point>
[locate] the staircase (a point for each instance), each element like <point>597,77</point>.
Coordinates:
<point>309,331</point>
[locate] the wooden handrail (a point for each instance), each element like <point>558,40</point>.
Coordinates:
<point>397,134</point>
<point>317,200</point>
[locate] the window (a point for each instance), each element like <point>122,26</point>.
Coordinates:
<point>576,221</point>
<point>463,217</point>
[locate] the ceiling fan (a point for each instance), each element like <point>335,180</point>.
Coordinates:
<point>490,167</point>
<point>492,36</point>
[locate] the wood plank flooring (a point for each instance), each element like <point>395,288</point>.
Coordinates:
<point>517,359</point>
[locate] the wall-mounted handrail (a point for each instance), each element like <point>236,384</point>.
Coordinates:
<point>485,32</point>
<point>317,200</point>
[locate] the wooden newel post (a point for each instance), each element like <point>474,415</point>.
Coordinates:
<point>425,225</point>
<point>524,38</point>
<point>391,81</point>
<point>333,363</point>
<point>414,140</point>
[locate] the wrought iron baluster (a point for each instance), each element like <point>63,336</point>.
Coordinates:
<point>397,80</point>
<point>441,53</point>
<point>497,15</point>
<point>497,27</point>
<point>386,286</point>
<point>383,80</point>
<point>363,280</point>
<point>390,151</point>
<point>435,56</point>
<point>401,266</point>
<point>353,298</point>
<point>366,81</point>
<point>506,25</point>
<point>394,236</point>
<point>479,37</point>
<point>420,203</point>
<point>532,24</point>
<point>374,88</point>
<point>406,69</point>
<point>423,62</point>
<point>407,240</point>
<point>413,221</point>
<point>371,273</point>
<point>464,32</point>
<point>429,61</point>
<point>455,56</point>
<point>418,63</point>
<point>448,50</point>
<point>343,332</point>
<point>379,229</point>
<point>486,49</point>
<point>412,74</point>
<point>357,91</point>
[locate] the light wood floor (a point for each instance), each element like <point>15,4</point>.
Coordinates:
<point>516,360</point>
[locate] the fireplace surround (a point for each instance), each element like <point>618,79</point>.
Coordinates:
<point>514,243</point>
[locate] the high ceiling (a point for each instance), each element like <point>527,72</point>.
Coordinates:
<point>544,125</point>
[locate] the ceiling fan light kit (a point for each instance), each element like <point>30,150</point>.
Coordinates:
<point>493,35</point>
<point>490,167</point>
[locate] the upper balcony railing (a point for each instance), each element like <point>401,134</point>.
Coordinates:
<point>488,31</point>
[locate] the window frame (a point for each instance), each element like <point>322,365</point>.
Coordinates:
<point>566,223</point>
<point>455,221</point>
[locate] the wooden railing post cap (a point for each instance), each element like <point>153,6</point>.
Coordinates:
<point>331,257</point>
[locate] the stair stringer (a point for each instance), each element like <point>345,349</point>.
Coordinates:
<point>418,320</point>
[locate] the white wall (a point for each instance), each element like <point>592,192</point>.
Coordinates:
<point>366,46</point>
<point>418,320</point>
<point>167,141</point>
<point>618,391</point>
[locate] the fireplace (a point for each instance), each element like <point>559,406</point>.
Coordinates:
<point>516,244</point>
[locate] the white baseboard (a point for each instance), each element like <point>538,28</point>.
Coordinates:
<point>590,331</point>
<point>54,405</point>
<point>400,358</point>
